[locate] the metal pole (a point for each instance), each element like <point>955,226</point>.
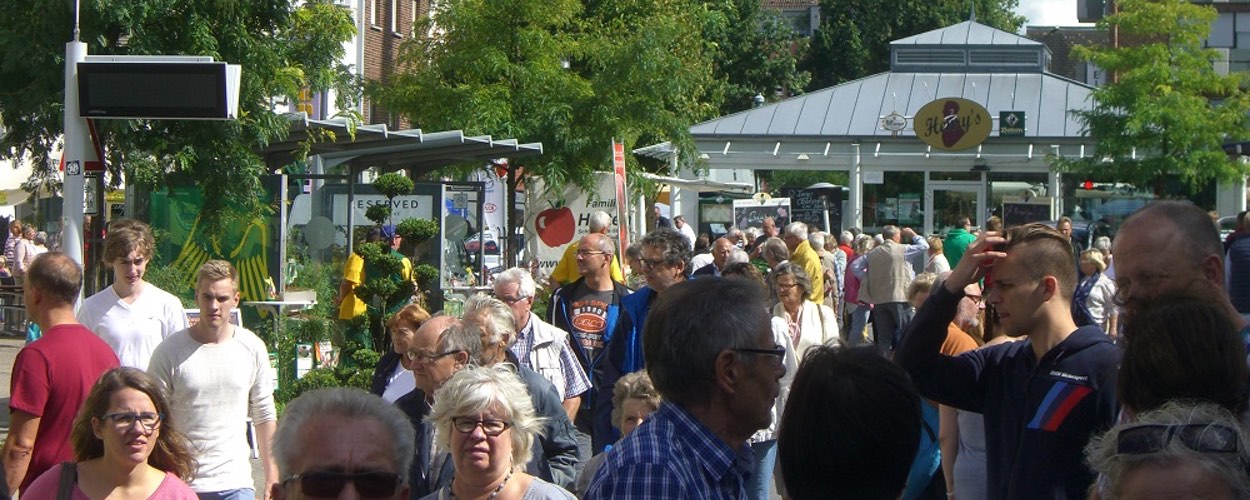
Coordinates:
<point>77,143</point>
<point>857,188</point>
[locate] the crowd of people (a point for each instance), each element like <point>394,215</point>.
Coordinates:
<point>995,363</point>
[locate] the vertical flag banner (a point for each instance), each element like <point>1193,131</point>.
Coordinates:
<point>622,202</point>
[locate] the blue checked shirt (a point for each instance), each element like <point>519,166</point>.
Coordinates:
<point>545,349</point>
<point>672,456</point>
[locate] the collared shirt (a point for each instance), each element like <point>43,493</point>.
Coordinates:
<point>556,362</point>
<point>673,455</point>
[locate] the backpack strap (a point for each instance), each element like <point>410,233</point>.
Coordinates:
<point>69,476</point>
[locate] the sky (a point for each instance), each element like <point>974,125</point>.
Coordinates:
<point>1048,12</point>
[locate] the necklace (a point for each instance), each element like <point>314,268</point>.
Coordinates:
<point>493,494</point>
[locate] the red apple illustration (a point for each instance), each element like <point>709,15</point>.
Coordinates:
<point>555,226</point>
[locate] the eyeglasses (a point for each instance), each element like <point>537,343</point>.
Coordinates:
<point>650,263</point>
<point>1150,438</point>
<point>587,253</point>
<point>785,287</point>
<point>512,300</point>
<point>976,299</point>
<point>778,353</point>
<point>492,428</point>
<point>425,357</point>
<point>124,420</point>
<point>327,484</point>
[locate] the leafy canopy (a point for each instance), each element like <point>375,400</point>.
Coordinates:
<point>854,37</point>
<point>282,48</point>
<point>1168,112</point>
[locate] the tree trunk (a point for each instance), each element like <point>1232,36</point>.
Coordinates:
<point>509,260</point>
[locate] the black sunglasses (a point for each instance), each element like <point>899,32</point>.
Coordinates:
<point>1151,438</point>
<point>327,484</point>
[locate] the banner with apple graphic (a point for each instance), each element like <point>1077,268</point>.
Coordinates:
<point>556,216</point>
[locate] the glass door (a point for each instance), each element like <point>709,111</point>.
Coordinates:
<point>945,202</point>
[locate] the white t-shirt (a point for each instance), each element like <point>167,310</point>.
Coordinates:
<point>213,388</point>
<point>399,383</point>
<point>133,330</point>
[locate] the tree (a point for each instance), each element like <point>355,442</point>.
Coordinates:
<point>572,76</point>
<point>754,53</point>
<point>282,49</point>
<point>854,37</point>
<point>1167,112</point>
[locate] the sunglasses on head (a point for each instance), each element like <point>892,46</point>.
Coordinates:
<point>327,484</point>
<point>1202,438</point>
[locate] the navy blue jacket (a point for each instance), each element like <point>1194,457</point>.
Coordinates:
<point>383,370</point>
<point>1039,414</point>
<point>623,355</point>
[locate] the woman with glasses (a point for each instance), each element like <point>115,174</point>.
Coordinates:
<point>484,419</point>
<point>392,376</point>
<point>125,445</point>
<point>808,323</point>
<point>1180,450</point>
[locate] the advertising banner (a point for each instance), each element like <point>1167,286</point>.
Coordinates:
<point>556,216</point>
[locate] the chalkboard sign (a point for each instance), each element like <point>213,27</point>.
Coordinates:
<point>749,213</point>
<point>1015,214</point>
<point>806,207</point>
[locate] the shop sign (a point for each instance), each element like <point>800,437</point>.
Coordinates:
<point>1011,124</point>
<point>952,124</point>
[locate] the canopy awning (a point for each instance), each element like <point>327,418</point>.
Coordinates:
<point>378,146</point>
<point>701,185</point>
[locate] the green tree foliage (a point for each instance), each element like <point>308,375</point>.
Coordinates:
<point>281,47</point>
<point>1168,112</point>
<point>854,37</point>
<point>754,52</point>
<point>572,76</point>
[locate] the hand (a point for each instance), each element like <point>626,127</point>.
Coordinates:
<point>981,255</point>
<point>908,234</point>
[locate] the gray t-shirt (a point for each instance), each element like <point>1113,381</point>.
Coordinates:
<point>538,490</point>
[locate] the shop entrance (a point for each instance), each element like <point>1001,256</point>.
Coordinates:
<point>946,201</point>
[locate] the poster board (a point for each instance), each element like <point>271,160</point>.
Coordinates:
<point>556,216</point>
<point>750,213</point>
<point>807,207</point>
<point>1015,214</point>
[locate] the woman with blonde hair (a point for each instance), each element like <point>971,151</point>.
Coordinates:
<point>483,417</point>
<point>125,444</point>
<point>1093,302</point>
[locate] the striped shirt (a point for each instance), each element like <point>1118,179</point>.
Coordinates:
<point>672,455</point>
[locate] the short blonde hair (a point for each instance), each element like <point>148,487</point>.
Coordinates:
<point>638,386</point>
<point>922,284</point>
<point>476,389</point>
<point>1094,256</point>
<point>217,270</point>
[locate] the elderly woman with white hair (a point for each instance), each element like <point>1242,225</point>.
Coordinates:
<point>484,419</point>
<point>1181,450</point>
<point>809,323</point>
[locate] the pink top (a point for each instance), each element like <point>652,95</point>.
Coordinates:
<point>45,488</point>
<point>850,293</point>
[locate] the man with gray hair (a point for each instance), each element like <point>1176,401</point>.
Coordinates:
<point>497,326</point>
<point>566,271</point>
<point>538,345</point>
<point>721,249</point>
<point>711,354</point>
<point>884,278</point>
<point>665,262</point>
<point>329,438</point>
<point>803,255</point>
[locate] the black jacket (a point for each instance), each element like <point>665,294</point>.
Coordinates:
<point>1039,414</point>
<point>383,370</point>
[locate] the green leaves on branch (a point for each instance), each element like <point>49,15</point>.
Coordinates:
<point>392,185</point>
<point>417,230</point>
<point>1168,112</point>
<point>378,213</point>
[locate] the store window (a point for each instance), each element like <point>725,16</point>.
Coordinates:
<point>898,200</point>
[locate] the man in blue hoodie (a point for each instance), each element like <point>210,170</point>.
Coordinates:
<point>665,262</point>
<point>1042,398</point>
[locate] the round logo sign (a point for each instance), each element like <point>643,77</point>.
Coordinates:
<point>952,124</point>
<point>894,122</point>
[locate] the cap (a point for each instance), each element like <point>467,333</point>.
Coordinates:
<point>388,232</point>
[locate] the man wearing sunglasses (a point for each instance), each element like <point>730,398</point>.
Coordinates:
<point>342,443</point>
<point>1041,398</point>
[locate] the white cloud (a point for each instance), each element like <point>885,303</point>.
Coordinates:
<point>1048,12</point>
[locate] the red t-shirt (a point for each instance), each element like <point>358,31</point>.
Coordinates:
<point>51,378</point>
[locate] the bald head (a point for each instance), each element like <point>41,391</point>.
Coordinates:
<point>1167,247</point>
<point>429,331</point>
<point>720,252</point>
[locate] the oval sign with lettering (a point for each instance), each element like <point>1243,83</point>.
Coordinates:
<point>952,124</point>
